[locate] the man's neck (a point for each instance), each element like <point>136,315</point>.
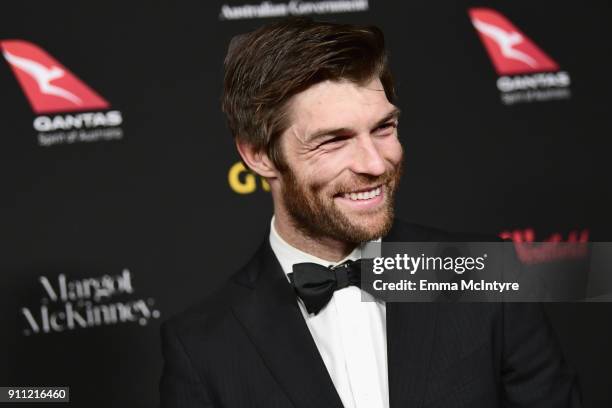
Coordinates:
<point>325,248</point>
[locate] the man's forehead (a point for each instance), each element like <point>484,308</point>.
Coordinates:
<point>339,103</point>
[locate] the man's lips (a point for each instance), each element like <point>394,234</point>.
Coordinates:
<point>362,194</point>
<point>362,198</point>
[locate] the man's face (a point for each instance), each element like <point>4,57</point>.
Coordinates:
<point>344,161</point>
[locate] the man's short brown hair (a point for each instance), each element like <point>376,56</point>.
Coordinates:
<point>266,67</point>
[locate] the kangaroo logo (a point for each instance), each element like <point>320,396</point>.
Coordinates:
<point>511,51</point>
<point>48,86</point>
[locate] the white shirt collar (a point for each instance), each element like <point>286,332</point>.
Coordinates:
<point>288,255</point>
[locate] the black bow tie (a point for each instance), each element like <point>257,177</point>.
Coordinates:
<point>315,284</point>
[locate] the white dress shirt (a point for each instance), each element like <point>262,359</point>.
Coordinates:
<point>350,334</point>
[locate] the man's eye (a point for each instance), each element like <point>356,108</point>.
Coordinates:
<point>333,140</point>
<point>387,125</point>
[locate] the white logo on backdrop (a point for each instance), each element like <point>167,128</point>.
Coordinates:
<point>43,76</point>
<point>291,8</point>
<point>71,304</point>
<point>506,42</point>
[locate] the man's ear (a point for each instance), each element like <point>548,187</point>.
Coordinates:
<point>257,160</point>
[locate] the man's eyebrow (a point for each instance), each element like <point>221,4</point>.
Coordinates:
<point>394,114</point>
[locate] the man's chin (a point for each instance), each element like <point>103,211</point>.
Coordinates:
<point>368,226</point>
<point>365,219</point>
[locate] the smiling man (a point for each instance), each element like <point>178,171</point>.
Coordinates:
<point>310,106</point>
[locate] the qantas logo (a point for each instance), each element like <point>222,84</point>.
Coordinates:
<point>526,73</point>
<point>68,111</point>
<point>48,85</point>
<point>510,50</point>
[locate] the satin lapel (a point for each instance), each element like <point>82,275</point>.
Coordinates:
<point>410,338</point>
<point>272,318</point>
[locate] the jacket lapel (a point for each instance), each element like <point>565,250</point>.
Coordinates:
<point>273,321</point>
<point>410,336</point>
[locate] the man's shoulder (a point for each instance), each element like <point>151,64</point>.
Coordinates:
<point>204,314</point>
<point>215,308</point>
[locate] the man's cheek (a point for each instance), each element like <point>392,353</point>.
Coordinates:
<point>395,150</point>
<point>391,149</point>
<point>394,156</point>
<point>325,174</point>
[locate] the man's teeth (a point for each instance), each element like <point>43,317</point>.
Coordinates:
<point>364,195</point>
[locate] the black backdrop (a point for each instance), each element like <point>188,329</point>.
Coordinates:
<point>158,204</point>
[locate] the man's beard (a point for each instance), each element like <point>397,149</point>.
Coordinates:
<point>319,216</point>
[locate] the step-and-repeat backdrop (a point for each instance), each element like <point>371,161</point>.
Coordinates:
<point>124,200</point>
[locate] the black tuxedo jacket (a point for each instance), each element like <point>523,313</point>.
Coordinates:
<point>249,346</point>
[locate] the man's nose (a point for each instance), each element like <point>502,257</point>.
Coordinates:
<point>367,158</point>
